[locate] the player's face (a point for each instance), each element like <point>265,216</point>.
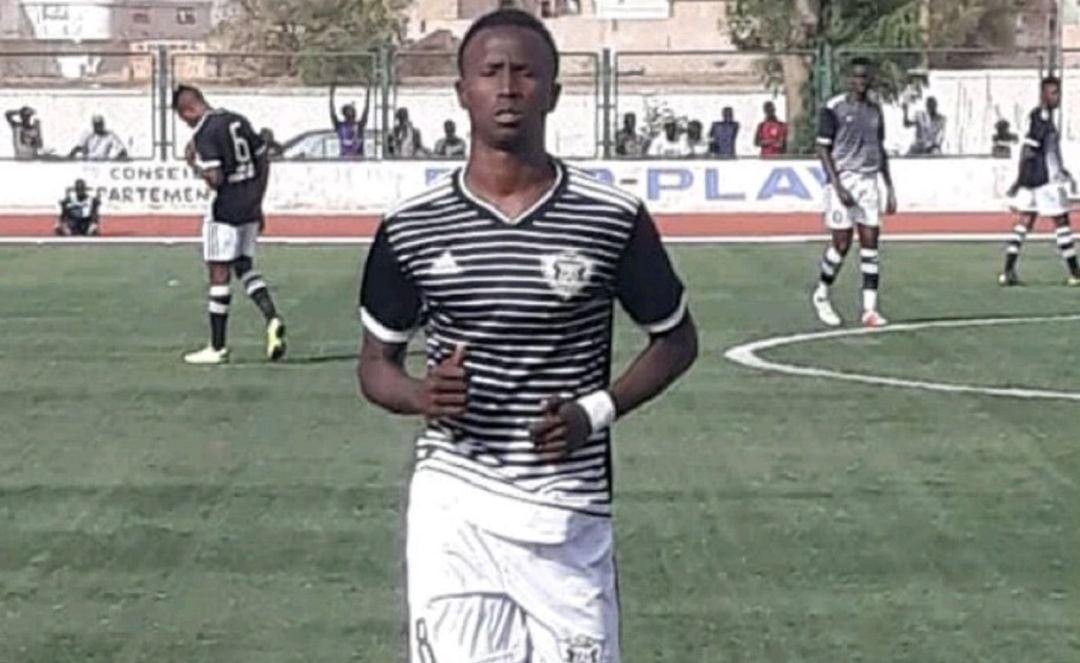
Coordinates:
<point>860,80</point>
<point>349,112</point>
<point>189,109</point>
<point>1051,96</point>
<point>508,86</point>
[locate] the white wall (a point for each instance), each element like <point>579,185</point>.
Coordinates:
<point>971,100</point>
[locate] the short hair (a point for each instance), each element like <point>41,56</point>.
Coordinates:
<point>186,89</point>
<point>860,61</point>
<point>503,18</point>
<point>1050,80</point>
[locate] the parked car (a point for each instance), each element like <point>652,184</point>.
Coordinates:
<point>319,144</point>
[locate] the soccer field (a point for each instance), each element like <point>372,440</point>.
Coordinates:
<point>153,511</point>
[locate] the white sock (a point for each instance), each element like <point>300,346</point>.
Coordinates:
<point>822,291</point>
<point>869,300</point>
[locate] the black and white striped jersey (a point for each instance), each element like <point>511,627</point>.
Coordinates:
<point>532,301</point>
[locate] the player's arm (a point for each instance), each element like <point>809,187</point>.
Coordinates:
<point>825,136</point>
<point>886,171</point>
<point>12,117</point>
<point>907,119</point>
<point>209,150</point>
<point>364,115</point>
<point>759,134</point>
<point>1031,149</point>
<point>389,311</point>
<point>652,294</point>
<point>334,121</point>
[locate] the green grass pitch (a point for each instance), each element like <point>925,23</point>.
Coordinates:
<point>151,511</point>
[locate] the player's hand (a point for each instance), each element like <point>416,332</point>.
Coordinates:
<point>444,389</point>
<point>189,154</point>
<point>890,201</point>
<point>846,199</point>
<point>563,428</point>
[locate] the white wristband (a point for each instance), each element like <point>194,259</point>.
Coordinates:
<point>601,410</point>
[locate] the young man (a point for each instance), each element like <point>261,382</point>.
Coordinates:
<point>929,129</point>
<point>450,146</point>
<point>1041,188</point>
<point>771,134</point>
<point>515,262</point>
<point>79,212</point>
<point>350,131</point>
<point>851,139</point>
<point>232,159</point>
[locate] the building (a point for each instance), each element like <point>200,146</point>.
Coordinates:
<point>588,25</point>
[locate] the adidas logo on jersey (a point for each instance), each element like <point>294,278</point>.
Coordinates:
<point>445,265</point>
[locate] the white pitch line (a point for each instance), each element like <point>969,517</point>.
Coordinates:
<point>684,239</point>
<point>747,355</point>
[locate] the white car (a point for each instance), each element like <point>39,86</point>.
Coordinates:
<point>321,144</point>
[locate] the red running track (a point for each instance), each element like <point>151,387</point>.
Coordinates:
<point>680,225</point>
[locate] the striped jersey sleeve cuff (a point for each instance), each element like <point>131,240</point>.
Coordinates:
<point>207,165</point>
<point>261,151</point>
<point>824,141</point>
<point>1031,142</point>
<point>670,322</point>
<point>381,331</point>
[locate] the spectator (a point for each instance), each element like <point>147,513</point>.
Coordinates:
<point>929,128</point>
<point>722,135</point>
<point>25,132</point>
<point>1003,139</point>
<point>349,130</point>
<point>405,141</point>
<point>78,212</point>
<point>274,149</point>
<point>669,145</point>
<point>771,134</point>
<point>450,145</point>
<point>628,142</point>
<point>99,144</point>
<point>695,139</point>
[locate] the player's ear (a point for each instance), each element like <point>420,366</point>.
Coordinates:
<point>462,93</point>
<point>556,92</point>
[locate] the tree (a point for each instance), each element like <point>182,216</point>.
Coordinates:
<point>869,27</point>
<point>353,28</point>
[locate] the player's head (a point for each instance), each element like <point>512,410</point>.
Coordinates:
<point>348,111</point>
<point>693,131</point>
<point>770,110</point>
<point>931,105</point>
<point>508,68</point>
<point>98,123</point>
<point>449,128</point>
<point>1050,92</point>
<point>401,116</point>
<point>80,187</point>
<point>671,130</point>
<point>26,114</point>
<point>728,114</point>
<point>629,122</point>
<point>860,77</point>
<point>189,103</point>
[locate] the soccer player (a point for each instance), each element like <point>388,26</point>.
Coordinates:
<point>232,159</point>
<point>851,137</point>
<point>79,212</point>
<point>1041,186</point>
<point>515,262</point>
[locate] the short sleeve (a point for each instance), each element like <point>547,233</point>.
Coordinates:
<point>646,283</point>
<point>389,300</point>
<point>209,151</point>
<point>258,145</point>
<point>826,131</point>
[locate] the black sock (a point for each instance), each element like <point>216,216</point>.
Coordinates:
<point>1012,249</point>
<point>256,289</point>
<point>1067,247</point>
<point>220,298</point>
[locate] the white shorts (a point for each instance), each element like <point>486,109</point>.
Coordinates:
<point>867,208</point>
<point>223,242</point>
<point>1049,200</point>
<point>477,597</point>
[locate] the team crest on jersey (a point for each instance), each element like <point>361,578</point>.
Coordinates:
<point>567,273</point>
<point>581,649</point>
